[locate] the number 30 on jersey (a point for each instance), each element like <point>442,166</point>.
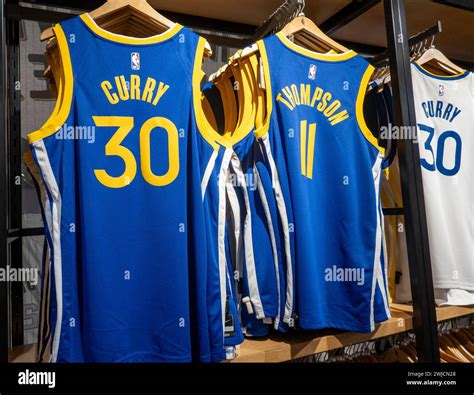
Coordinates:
<point>432,160</point>
<point>115,148</point>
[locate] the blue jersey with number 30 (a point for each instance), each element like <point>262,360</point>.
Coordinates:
<point>125,219</point>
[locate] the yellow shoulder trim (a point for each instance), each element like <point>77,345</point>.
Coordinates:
<point>210,134</point>
<point>87,19</point>
<point>63,103</point>
<point>263,130</point>
<point>246,121</point>
<point>360,110</point>
<point>330,57</point>
<point>204,127</point>
<point>259,94</point>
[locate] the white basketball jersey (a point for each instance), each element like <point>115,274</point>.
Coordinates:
<point>445,120</point>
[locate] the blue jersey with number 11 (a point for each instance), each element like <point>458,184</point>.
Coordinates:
<point>326,167</point>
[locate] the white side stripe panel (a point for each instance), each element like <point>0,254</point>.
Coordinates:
<point>376,172</point>
<point>235,207</point>
<point>286,230</point>
<point>55,231</point>
<point>266,209</point>
<point>207,174</point>
<point>248,244</point>
<point>383,271</point>
<point>222,181</point>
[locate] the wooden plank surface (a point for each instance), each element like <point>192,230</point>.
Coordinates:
<point>280,348</point>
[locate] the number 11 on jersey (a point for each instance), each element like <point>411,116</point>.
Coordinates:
<point>307,145</point>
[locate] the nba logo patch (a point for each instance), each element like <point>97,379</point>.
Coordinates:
<point>135,61</point>
<point>441,90</point>
<point>312,72</point>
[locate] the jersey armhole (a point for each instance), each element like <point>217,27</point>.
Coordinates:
<point>262,131</point>
<point>208,112</point>
<point>360,110</point>
<point>203,125</point>
<point>65,92</point>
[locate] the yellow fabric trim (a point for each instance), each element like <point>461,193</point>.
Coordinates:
<point>230,106</point>
<point>439,75</point>
<point>63,103</point>
<point>315,55</point>
<point>237,73</point>
<point>360,110</point>
<point>247,113</point>
<point>210,134</point>
<point>258,94</point>
<point>87,19</point>
<point>263,130</point>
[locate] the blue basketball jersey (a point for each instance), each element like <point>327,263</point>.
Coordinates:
<point>326,168</point>
<point>238,192</point>
<point>126,223</point>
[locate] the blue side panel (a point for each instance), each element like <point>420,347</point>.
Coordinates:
<point>213,293</point>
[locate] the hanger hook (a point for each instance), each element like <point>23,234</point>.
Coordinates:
<point>432,42</point>
<point>303,5</point>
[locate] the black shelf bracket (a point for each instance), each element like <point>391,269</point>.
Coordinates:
<point>424,311</point>
<point>4,289</point>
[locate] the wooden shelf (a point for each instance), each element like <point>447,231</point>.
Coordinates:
<point>23,354</point>
<point>282,348</point>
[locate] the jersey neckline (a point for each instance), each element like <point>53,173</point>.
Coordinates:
<point>109,36</point>
<point>454,77</point>
<point>328,57</point>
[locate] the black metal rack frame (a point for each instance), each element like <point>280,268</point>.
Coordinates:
<point>12,232</point>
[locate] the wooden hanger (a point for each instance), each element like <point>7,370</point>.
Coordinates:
<point>312,37</point>
<point>462,347</point>
<point>140,8</point>
<point>456,348</point>
<point>124,16</point>
<point>439,61</point>
<point>305,33</point>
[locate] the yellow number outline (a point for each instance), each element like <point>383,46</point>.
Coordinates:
<point>307,148</point>
<point>173,151</point>
<point>114,148</point>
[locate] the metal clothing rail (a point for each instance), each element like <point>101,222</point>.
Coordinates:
<point>415,219</point>
<point>277,21</point>
<point>414,40</point>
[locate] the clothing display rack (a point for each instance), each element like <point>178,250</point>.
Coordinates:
<point>421,318</point>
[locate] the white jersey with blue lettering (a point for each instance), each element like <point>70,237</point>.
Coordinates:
<point>445,119</point>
